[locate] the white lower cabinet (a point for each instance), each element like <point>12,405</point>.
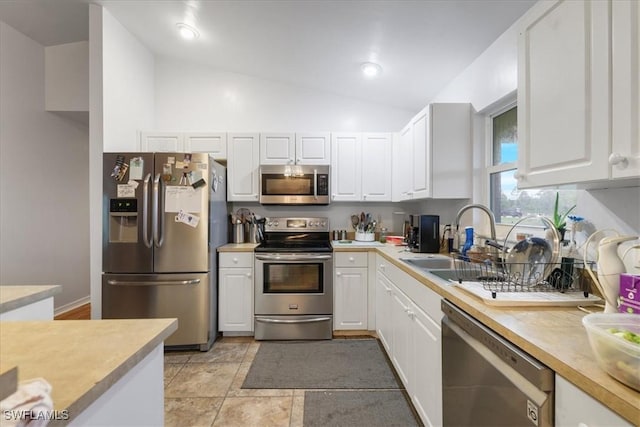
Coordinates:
<point>408,324</point>
<point>575,408</point>
<point>235,293</point>
<point>383,310</point>
<point>350,291</point>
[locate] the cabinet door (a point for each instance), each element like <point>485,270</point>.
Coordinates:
<point>277,148</point>
<point>573,407</point>
<point>426,388</point>
<point>451,151</point>
<point>563,94</point>
<point>376,167</point>
<point>243,151</point>
<point>235,290</point>
<point>214,143</point>
<point>401,331</point>
<point>346,170</point>
<point>383,310</point>
<point>167,142</point>
<point>313,148</point>
<point>350,303</point>
<point>421,148</point>
<point>626,89</point>
<point>403,165</point>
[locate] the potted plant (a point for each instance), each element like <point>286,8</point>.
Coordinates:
<point>560,220</point>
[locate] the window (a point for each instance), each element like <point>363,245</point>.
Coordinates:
<point>507,202</point>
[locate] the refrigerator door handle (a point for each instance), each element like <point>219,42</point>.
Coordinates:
<point>153,282</point>
<point>158,213</point>
<point>148,242</point>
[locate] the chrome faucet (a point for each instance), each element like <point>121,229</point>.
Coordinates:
<point>492,218</point>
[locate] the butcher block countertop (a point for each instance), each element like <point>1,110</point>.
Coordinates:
<point>81,359</point>
<point>16,296</point>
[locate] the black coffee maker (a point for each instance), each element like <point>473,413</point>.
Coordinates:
<point>424,233</point>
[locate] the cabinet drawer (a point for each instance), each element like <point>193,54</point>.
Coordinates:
<point>236,259</point>
<point>350,259</point>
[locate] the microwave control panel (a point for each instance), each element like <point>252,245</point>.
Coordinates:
<point>323,185</point>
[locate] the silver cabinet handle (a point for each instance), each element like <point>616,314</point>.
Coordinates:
<point>148,242</point>
<point>155,208</point>
<point>153,282</point>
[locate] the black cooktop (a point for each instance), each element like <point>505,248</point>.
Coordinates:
<point>295,242</point>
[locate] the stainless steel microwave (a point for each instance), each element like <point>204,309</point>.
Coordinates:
<point>294,184</point>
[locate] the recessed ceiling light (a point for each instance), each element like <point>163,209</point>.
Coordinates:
<point>187,32</point>
<point>371,69</point>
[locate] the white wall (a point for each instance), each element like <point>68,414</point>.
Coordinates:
<point>194,97</point>
<point>44,214</point>
<point>122,101</point>
<point>128,85</point>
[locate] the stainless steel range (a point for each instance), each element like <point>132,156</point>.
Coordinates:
<point>293,280</point>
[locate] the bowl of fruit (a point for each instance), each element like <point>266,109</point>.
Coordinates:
<point>615,341</point>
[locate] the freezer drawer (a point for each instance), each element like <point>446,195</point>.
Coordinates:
<point>187,297</point>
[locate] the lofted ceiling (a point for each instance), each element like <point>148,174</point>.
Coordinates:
<point>317,44</point>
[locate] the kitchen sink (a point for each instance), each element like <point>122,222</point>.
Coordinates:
<point>430,262</point>
<point>445,274</point>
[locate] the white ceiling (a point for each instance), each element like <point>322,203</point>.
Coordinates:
<point>317,44</point>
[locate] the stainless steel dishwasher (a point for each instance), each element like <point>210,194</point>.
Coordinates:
<point>487,381</point>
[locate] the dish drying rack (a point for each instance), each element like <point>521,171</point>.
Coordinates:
<point>495,275</point>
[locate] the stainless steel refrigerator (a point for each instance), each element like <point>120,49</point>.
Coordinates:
<point>164,215</point>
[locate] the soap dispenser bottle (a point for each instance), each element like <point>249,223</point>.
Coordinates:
<point>468,243</point>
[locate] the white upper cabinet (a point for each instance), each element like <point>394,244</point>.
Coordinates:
<point>243,152</point>
<point>376,167</point>
<point>346,166</point>
<point>625,154</point>
<point>299,148</point>
<point>168,142</point>
<point>578,94</point>
<point>361,167</point>
<point>313,148</point>
<point>214,143</point>
<point>434,154</point>
<point>277,148</point>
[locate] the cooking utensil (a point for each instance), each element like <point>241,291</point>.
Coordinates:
<point>355,221</point>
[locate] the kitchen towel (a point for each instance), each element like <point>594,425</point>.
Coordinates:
<point>29,406</point>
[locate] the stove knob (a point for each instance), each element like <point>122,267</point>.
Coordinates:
<point>312,224</point>
<point>275,223</point>
<point>269,223</point>
<point>323,224</point>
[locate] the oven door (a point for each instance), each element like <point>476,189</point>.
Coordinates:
<point>293,283</point>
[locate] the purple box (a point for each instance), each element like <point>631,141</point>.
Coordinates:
<point>629,293</point>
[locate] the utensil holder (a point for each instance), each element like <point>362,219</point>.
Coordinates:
<point>238,233</point>
<point>365,237</point>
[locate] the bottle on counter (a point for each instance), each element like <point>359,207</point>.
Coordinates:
<point>383,235</point>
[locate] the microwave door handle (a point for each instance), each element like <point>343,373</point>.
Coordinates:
<point>315,184</point>
<point>145,212</point>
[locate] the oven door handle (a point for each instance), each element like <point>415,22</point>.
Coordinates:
<point>314,320</point>
<point>290,257</point>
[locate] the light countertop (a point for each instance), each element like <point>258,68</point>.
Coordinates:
<point>81,359</point>
<point>16,296</point>
<point>238,247</point>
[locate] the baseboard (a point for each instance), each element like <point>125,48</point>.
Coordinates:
<point>72,305</point>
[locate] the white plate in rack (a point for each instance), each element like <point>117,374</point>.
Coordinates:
<point>515,299</point>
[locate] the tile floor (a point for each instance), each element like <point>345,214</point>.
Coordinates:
<point>204,389</point>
